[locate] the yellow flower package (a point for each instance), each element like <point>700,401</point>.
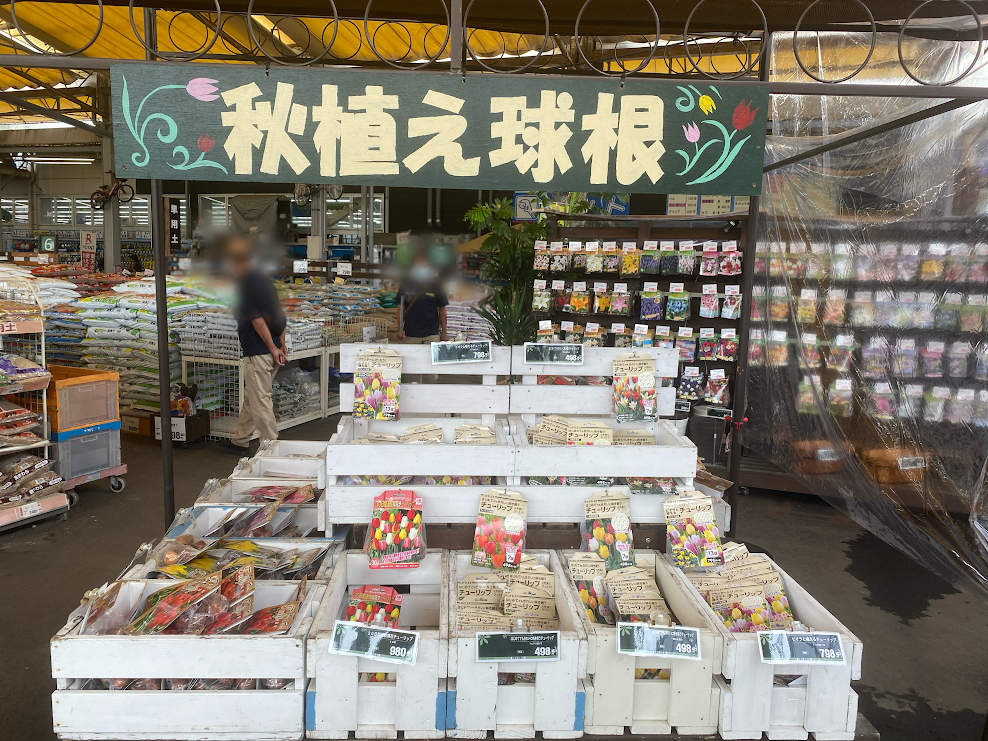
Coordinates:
<point>606,529</point>
<point>377,385</point>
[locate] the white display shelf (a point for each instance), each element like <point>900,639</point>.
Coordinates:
<point>203,517</point>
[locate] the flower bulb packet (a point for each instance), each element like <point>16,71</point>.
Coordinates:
<point>271,620</point>
<point>377,385</point>
<point>633,388</point>
<point>588,571</point>
<point>741,607</point>
<point>499,537</point>
<point>396,536</point>
<point>427,433</point>
<point>606,529</point>
<point>367,601</point>
<point>164,612</point>
<point>530,601</point>
<point>692,531</point>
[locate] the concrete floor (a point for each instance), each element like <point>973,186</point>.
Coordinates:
<point>926,645</point>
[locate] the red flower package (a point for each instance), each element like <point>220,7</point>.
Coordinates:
<point>165,611</point>
<point>396,537</point>
<point>499,539</point>
<point>367,602</point>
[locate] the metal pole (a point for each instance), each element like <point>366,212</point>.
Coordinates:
<point>158,232</point>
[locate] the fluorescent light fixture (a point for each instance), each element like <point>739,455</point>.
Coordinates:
<point>55,160</point>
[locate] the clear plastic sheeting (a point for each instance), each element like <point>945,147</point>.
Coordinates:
<point>868,358</point>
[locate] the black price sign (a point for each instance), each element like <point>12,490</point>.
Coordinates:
<point>479,351</point>
<point>372,642</point>
<point>639,639</point>
<point>500,646</point>
<point>783,647</point>
<point>554,354</point>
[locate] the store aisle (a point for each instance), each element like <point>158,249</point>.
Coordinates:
<point>925,663</point>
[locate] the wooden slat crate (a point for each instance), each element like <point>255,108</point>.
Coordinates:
<point>553,705</point>
<point>688,701</point>
<point>247,715</point>
<point>202,517</point>
<point>751,704</point>
<point>414,704</point>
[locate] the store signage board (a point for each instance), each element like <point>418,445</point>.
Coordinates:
<point>502,646</point>
<point>784,647</point>
<point>370,641</point>
<point>640,639</point>
<point>422,129</point>
<point>478,351</point>
<point>553,354</point>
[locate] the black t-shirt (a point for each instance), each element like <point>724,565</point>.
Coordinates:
<point>257,298</point>
<point>422,318</point>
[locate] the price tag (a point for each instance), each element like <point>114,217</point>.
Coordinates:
<point>731,246</point>
<point>783,647</point>
<point>575,246</point>
<point>610,246</point>
<point>31,509</point>
<point>556,247</point>
<point>662,331</point>
<point>843,384</point>
<point>581,286</point>
<point>630,246</point>
<point>591,246</point>
<point>686,332</point>
<point>641,329</point>
<point>732,290</point>
<point>718,374</point>
<point>650,244</point>
<point>540,244</point>
<point>478,351</point>
<point>709,289</point>
<point>344,269</point>
<point>934,346</point>
<point>620,288</point>
<point>706,331</point>
<point>540,284</point>
<point>682,406</point>
<point>676,287</point>
<point>728,333</point>
<point>667,244</point>
<point>566,326</point>
<point>545,325</point>
<point>650,287</point>
<point>300,266</point>
<point>184,263</point>
<point>709,246</point>
<point>592,327</point>
<point>691,371</point>
<point>779,335</point>
<point>640,639</point>
<point>381,644</point>
<point>600,287</point>
<point>555,354</point>
<point>370,333</point>
<point>502,646</point>
<point>617,328</point>
<point>808,294</point>
<point>560,285</point>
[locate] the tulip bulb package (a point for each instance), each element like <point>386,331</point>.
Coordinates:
<point>367,602</point>
<point>692,531</point>
<point>634,388</point>
<point>377,385</point>
<point>606,529</point>
<point>396,536</point>
<point>499,539</point>
<point>588,571</point>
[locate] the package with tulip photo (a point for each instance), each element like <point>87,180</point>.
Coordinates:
<point>396,536</point>
<point>588,572</point>
<point>692,531</point>
<point>499,539</point>
<point>368,602</point>
<point>377,385</point>
<point>606,529</point>
<point>634,388</point>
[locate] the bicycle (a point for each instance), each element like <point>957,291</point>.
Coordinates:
<point>102,195</point>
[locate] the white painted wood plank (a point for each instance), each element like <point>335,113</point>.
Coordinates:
<point>577,400</point>
<point>418,359</point>
<point>428,398</point>
<point>397,459</point>
<point>604,460</point>
<point>279,468</point>
<point>291,448</point>
<point>597,361</point>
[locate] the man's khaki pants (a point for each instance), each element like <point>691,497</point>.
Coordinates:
<point>257,411</point>
<point>426,377</point>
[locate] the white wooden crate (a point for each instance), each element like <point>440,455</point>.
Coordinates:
<point>250,715</point>
<point>530,398</point>
<point>275,469</point>
<point>334,548</point>
<point>229,491</point>
<point>203,517</point>
<point>825,705</point>
<point>615,701</point>
<point>487,399</point>
<point>291,449</point>
<point>553,705</point>
<point>415,704</point>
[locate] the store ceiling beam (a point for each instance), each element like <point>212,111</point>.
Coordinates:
<point>54,115</point>
<point>32,30</point>
<point>856,136</point>
<point>70,94</point>
<point>53,151</point>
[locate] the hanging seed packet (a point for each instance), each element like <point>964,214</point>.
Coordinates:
<point>816,265</point>
<point>732,303</point>
<point>809,355</point>
<point>579,302</point>
<point>606,529</point>
<point>687,258</point>
<point>677,304</point>
<point>806,306</point>
<point>541,300</point>
<point>805,398</point>
<point>841,262</point>
<point>778,304</point>
<point>709,260</point>
<point>977,272</point>
<point>630,259</point>
<point>935,402</point>
<point>367,601</point>
<point>620,303</point>
<point>691,384</point>
<point>907,264</point>
<point>905,359</point>
<point>840,398</point>
<point>593,336</point>
<point>875,358</point>
<point>730,259</point>
<point>833,306</point>
<point>165,611</point>
<point>396,536</point>
<point>885,308</point>
<point>761,258</point>
<point>499,539</point>
<point>728,345</point>
<point>931,265</point>
<point>377,385</point>
<point>841,353</point>
<point>650,262</point>
<point>926,304</point>
<point>904,310</point>
<point>776,260</point>
<point>578,258</point>
<point>541,256</point>
<point>958,359</point>
<point>588,571</point>
<point>796,260</point>
<point>633,388</point>
<point>559,261</point>
<point>862,310</point>
<point>931,359</point>
<point>601,302</point>
<point>709,344</point>
<point>709,303</point>
<point>759,304</point>
<point>910,401</point>
<point>669,259</point>
<point>651,303</point>
<point>692,531</point>
<point>960,409</point>
<point>973,314</point>
<point>955,266</point>
<point>686,344</point>
<point>778,349</point>
<point>882,403</point>
<point>948,312</point>
<point>612,262</point>
<point>756,347</point>
<point>642,336</point>
<point>716,391</point>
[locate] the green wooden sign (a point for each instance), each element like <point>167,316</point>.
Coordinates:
<point>380,644</point>
<point>783,647</point>
<point>422,129</point>
<point>46,243</point>
<point>640,639</point>
<point>500,646</point>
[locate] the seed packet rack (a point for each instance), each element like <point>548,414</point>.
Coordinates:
<point>553,705</point>
<point>689,700</point>
<point>201,518</point>
<point>415,702</point>
<point>751,702</point>
<point>251,715</point>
